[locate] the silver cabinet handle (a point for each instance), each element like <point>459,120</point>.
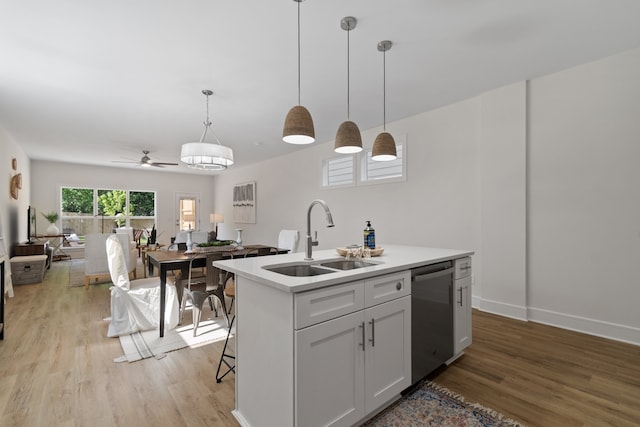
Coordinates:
<point>363,337</point>
<point>460,300</point>
<point>373,332</point>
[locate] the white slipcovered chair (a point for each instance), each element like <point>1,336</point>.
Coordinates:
<point>288,239</point>
<point>135,305</point>
<point>95,256</point>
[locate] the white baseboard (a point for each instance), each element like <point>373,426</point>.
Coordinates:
<point>503,309</point>
<point>598,328</point>
<point>584,325</point>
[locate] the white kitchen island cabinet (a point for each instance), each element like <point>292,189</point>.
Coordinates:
<point>349,366</point>
<point>331,349</point>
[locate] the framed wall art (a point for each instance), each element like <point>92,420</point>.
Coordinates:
<point>244,203</point>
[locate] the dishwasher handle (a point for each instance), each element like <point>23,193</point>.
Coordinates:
<point>429,276</point>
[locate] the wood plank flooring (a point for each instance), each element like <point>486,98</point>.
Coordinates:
<point>57,369</point>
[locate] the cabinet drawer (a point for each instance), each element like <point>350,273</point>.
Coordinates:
<point>328,303</point>
<point>462,267</point>
<point>386,288</point>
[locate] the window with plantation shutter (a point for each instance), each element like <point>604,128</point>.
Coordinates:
<point>338,171</point>
<point>392,169</point>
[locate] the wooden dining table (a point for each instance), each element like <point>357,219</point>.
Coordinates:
<point>166,261</point>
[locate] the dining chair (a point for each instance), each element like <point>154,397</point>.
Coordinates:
<point>135,303</point>
<point>209,287</point>
<point>288,239</point>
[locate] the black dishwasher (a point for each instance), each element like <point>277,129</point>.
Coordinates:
<point>431,318</point>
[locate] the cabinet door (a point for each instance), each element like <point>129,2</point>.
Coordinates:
<point>388,356</point>
<point>329,372</point>
<point>462,315</point>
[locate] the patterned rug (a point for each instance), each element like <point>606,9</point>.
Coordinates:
<point>433,405</point>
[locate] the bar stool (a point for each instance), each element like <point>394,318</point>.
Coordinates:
<point>229,292</point>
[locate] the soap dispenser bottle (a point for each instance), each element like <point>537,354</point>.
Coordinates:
<point>369,236</point>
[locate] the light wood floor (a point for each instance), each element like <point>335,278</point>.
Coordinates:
<point>57,369</point>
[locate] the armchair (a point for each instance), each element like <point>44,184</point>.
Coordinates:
<point>95,256</point>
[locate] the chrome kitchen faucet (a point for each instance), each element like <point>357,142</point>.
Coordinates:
<point>310,241</point>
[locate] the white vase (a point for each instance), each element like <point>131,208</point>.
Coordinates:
<point>239,238</point>
<point>52,230</point>
<point>189,241</point>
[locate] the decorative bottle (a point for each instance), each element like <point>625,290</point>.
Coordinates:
<point>369,236</point>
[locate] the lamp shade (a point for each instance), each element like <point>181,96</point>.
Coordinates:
<point>202,155</point>
<point>348,138</point>
<point>298,126</point>
<point>215,218</point>
<point>384,147</point>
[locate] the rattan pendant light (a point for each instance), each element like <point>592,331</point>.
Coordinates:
<point>298,125</point>
<point>384,147</point>
<point>348,138</point>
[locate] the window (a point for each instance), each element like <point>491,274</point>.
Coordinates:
<point>392,170</point>
<point>341,171</point>
<point>88,210</point>
<point>338,171</point>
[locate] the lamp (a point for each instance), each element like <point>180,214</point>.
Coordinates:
<point>348,139</point>
<point>205,156</point>
<point>298,125</point>
<point>384,147</point>
<point>216,219</point>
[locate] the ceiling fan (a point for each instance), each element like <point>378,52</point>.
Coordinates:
<point>146,161</point>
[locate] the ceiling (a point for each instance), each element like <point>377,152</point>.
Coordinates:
<point>97,82</point>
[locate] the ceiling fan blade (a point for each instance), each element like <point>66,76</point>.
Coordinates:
<point>124,161</point>
<point>163,164</point>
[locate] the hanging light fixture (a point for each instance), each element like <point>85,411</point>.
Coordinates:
<point>205,156</point>
<point>384,147</point>
<point>298,125</point>
<point>348,139</point>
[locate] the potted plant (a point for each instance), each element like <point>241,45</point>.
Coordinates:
<point>52,217</point>
<point>151,241</point>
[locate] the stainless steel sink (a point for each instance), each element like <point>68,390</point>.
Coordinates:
<point>299,270</point>
<point>344,264</point>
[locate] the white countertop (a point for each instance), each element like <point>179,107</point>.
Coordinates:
<point>394,258</point>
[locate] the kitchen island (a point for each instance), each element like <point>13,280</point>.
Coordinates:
<point>326,349</point>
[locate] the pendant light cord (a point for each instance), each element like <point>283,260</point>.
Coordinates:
<point>206,123</point>
<point>384,90</point>
<point>298,53</point>
<point>348,71</point>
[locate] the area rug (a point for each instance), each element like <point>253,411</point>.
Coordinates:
<point>433,405</point>
<point>142,345</point>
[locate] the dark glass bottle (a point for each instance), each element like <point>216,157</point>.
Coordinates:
<point>369,236</point>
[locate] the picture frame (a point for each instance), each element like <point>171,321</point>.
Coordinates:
<point>244,203</point>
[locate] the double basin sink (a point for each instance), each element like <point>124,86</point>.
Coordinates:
<point>316,268</point>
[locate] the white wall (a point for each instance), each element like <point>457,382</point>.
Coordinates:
<point>13,213</point>
<point>434,207</point>
<point>48,177</point>
<point>584,197</point>
<point>501,261</point>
